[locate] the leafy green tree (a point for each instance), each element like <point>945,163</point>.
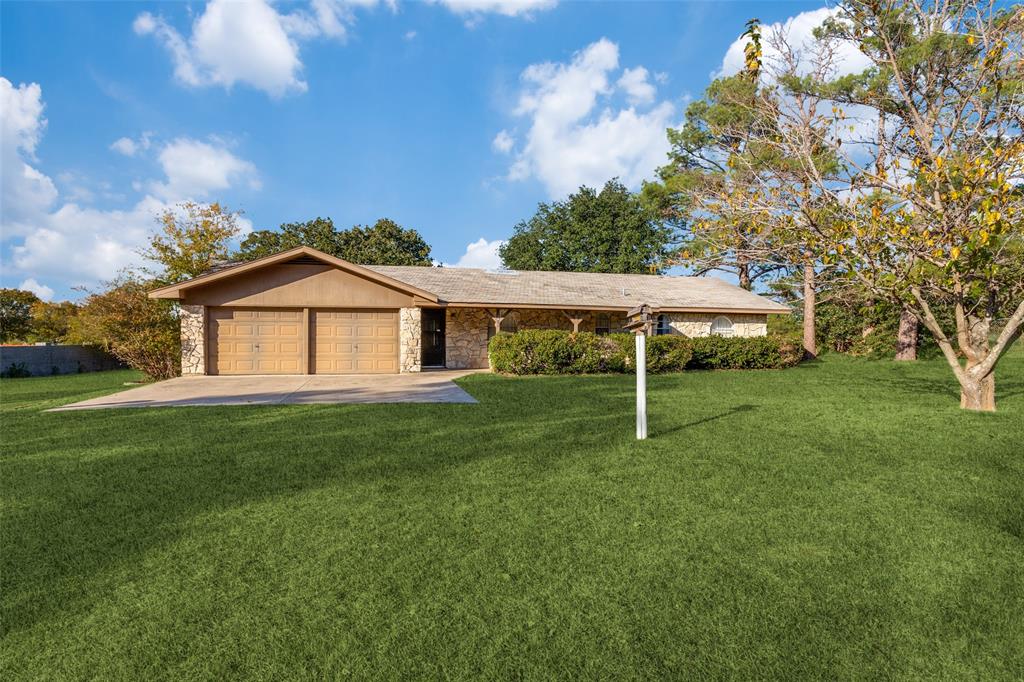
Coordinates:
<point>16,314</point>
<point>745,207</point>
<point>607,231</point>
<point>384,243</point>
<point>318,233</point>
<point>51,322</point>
<point>192,238</point>
<point>709,186</point>
<point>932,219</point>
<point>142,332</point>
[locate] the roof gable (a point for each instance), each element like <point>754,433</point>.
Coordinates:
<point>302,254</point>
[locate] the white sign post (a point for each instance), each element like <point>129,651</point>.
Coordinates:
<point>641,385</point>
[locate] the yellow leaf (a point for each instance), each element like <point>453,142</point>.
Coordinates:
<point>955,252</point>
<point>970,40</point>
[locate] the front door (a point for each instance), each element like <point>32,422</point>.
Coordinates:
<point>432,339</point>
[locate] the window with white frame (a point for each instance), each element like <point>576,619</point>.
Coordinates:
<point>663,327</point>
<point>721,326</point>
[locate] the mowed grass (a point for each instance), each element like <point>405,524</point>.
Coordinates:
<point>841,520</point>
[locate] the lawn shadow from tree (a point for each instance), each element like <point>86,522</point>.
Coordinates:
<point>64,539</point>
<point>739,409</point>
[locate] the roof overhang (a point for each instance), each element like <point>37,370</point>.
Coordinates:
<point>782,310</point>
<point>177,290</point>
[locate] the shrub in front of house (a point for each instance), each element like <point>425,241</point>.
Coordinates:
<point>669,353</point>
<point>753,352</point>
<point>553,351</point>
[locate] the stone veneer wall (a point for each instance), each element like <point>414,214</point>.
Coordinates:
<point>410,334</point>
<point>699,324</point>
<point>467,329</point>
<point>465,338</point>
<point>193,356</point>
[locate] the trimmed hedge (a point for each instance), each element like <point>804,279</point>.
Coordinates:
<point>553,351</point>
<point>752,352</point>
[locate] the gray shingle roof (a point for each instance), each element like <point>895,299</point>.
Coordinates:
<point>578,289</point>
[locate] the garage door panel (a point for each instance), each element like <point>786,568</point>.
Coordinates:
<point>250,341</point>
<point>355,341</point>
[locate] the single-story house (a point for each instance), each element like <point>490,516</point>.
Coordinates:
<point>303,311</point>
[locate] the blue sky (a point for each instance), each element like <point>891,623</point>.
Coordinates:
<point>451,118</point>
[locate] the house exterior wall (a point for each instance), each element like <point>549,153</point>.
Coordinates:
<point>699,324</point>
<point>467,331</point>
<point>193,339</point>
<point>465,338</point>
<point>410,334</point>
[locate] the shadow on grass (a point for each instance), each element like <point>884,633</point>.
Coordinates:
<point>100,488</point>
<point>739,409</point>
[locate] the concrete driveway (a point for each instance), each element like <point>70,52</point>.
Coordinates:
<point>422,387</point>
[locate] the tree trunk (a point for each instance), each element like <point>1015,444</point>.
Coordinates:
<point>868,328</point>
<point>744,273</point>
<point>978,394</point>
<point>810,343</point>
<point>906,337</point>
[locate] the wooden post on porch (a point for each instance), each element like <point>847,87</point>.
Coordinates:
<point>576,317</point>
<point>497,316</point>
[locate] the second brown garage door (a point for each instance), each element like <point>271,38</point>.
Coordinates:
<point>355,341</point>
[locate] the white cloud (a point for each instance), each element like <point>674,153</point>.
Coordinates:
<point>250,42</point>
<point>481,254</point>
<point>41,290</point>
<point>24,191</point>
<point>125,145</point>
<point>80,244</point>
<point>634,82</point>
<point>503,142</point>
<point>195,169</point>
<point>508,8</point>
<point>798,32</point>
<point>577,135</point>
<point>232,42</point>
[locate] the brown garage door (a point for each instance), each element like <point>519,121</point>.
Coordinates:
<point>355,341</point>
<point>256,341</point>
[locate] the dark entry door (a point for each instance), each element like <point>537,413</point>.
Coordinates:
<point>433,337</point>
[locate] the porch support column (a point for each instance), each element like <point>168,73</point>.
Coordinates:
<point>576,317</point>
<point>193,338</point>
<point>497,316</point>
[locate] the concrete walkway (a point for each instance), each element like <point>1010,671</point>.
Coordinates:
<point>422,387</point>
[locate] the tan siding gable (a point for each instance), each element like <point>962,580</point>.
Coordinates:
<point>298,286</point>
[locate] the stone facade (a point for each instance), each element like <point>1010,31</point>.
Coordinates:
<point>410,332</point>
<point>699,324</point>
<point>465,338</point>
<point>193,335</point>
<point>467,330</point>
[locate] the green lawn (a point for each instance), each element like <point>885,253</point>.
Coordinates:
<point>839,520</point>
